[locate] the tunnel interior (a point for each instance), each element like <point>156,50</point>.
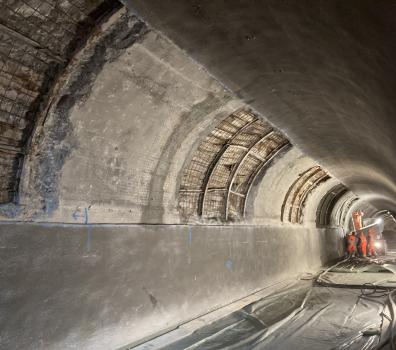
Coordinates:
<point>173,165</point>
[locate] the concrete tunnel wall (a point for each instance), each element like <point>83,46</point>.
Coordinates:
<point>322,71</point>
<point>116,150</point>
<point>108,259</point>
<point>103,287</point>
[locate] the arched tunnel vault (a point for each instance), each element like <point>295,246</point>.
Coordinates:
<point>94,157</point>
<point>322,72</point>
<point>220,199</point>
<point>206,188</point>
<point>141,191</point>
<point>204,162</point>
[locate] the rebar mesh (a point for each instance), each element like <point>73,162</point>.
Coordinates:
<point>221,171</point>
<point>293,205</point>
<point>236,204</point>
<point>214,204</point>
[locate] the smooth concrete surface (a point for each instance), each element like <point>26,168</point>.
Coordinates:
<point>189,328</point>
<point>321,71</point>
<point>102,287</point>
<point>310,212</point>
<point>271,186</point>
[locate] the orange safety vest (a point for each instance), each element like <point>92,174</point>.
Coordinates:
<point>351,243</point>
<point>363,244</point>
<point>363,240</point>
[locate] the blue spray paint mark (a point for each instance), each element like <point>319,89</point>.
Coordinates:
<point>229,264</point>
<point>189,235</point>
<point>86,216</point>
<point>50,205</point>
<point>76,214</point>
<point>89,230</point>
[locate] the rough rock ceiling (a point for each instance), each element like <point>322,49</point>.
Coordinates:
<point>37,40</point>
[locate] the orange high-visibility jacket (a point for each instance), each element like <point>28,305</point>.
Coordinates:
<point>351,243</point>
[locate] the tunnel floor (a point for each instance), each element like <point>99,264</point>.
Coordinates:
<point>348,306</point>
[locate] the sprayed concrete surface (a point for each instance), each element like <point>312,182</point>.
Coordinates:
<point>102,287</point>
<point>38,39</point>
<point>321,71</point>
<point>120,128</point>
<point>124,123</point>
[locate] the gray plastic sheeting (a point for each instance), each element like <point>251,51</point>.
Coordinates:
<point>305,316</point>
<point>361,272</point>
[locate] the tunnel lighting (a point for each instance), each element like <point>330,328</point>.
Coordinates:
<point>378,221</point>
<point>378,244</point>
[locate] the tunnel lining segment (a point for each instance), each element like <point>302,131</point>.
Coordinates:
<point>327,205</point>
<point>252,177</point>
<point>217,181</point>
<point>294,203</point>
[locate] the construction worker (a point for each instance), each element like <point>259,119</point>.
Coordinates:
<point>362,244</point>
<point>351,244</point>
<point>372,235</point>
<point>357,217</point>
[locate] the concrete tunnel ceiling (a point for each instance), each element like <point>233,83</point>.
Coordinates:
<point>315,69</point>
<point>155,153</point>
<point>227,161</point>
<point>309,117</point>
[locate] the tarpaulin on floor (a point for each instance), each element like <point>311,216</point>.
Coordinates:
<point>305,316</point>
<point>361,272</point>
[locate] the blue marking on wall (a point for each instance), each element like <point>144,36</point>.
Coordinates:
<point>83,215</point>
<point>86,216</point>
<point>76,214</point>
<point>229,264</point>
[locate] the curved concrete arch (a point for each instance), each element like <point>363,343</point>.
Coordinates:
<point>310,74</point>
<point>217,181</point>
<point>76,136</point>
<point>147,157</point>
<point>327,204</point>
<point>294,202</point>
